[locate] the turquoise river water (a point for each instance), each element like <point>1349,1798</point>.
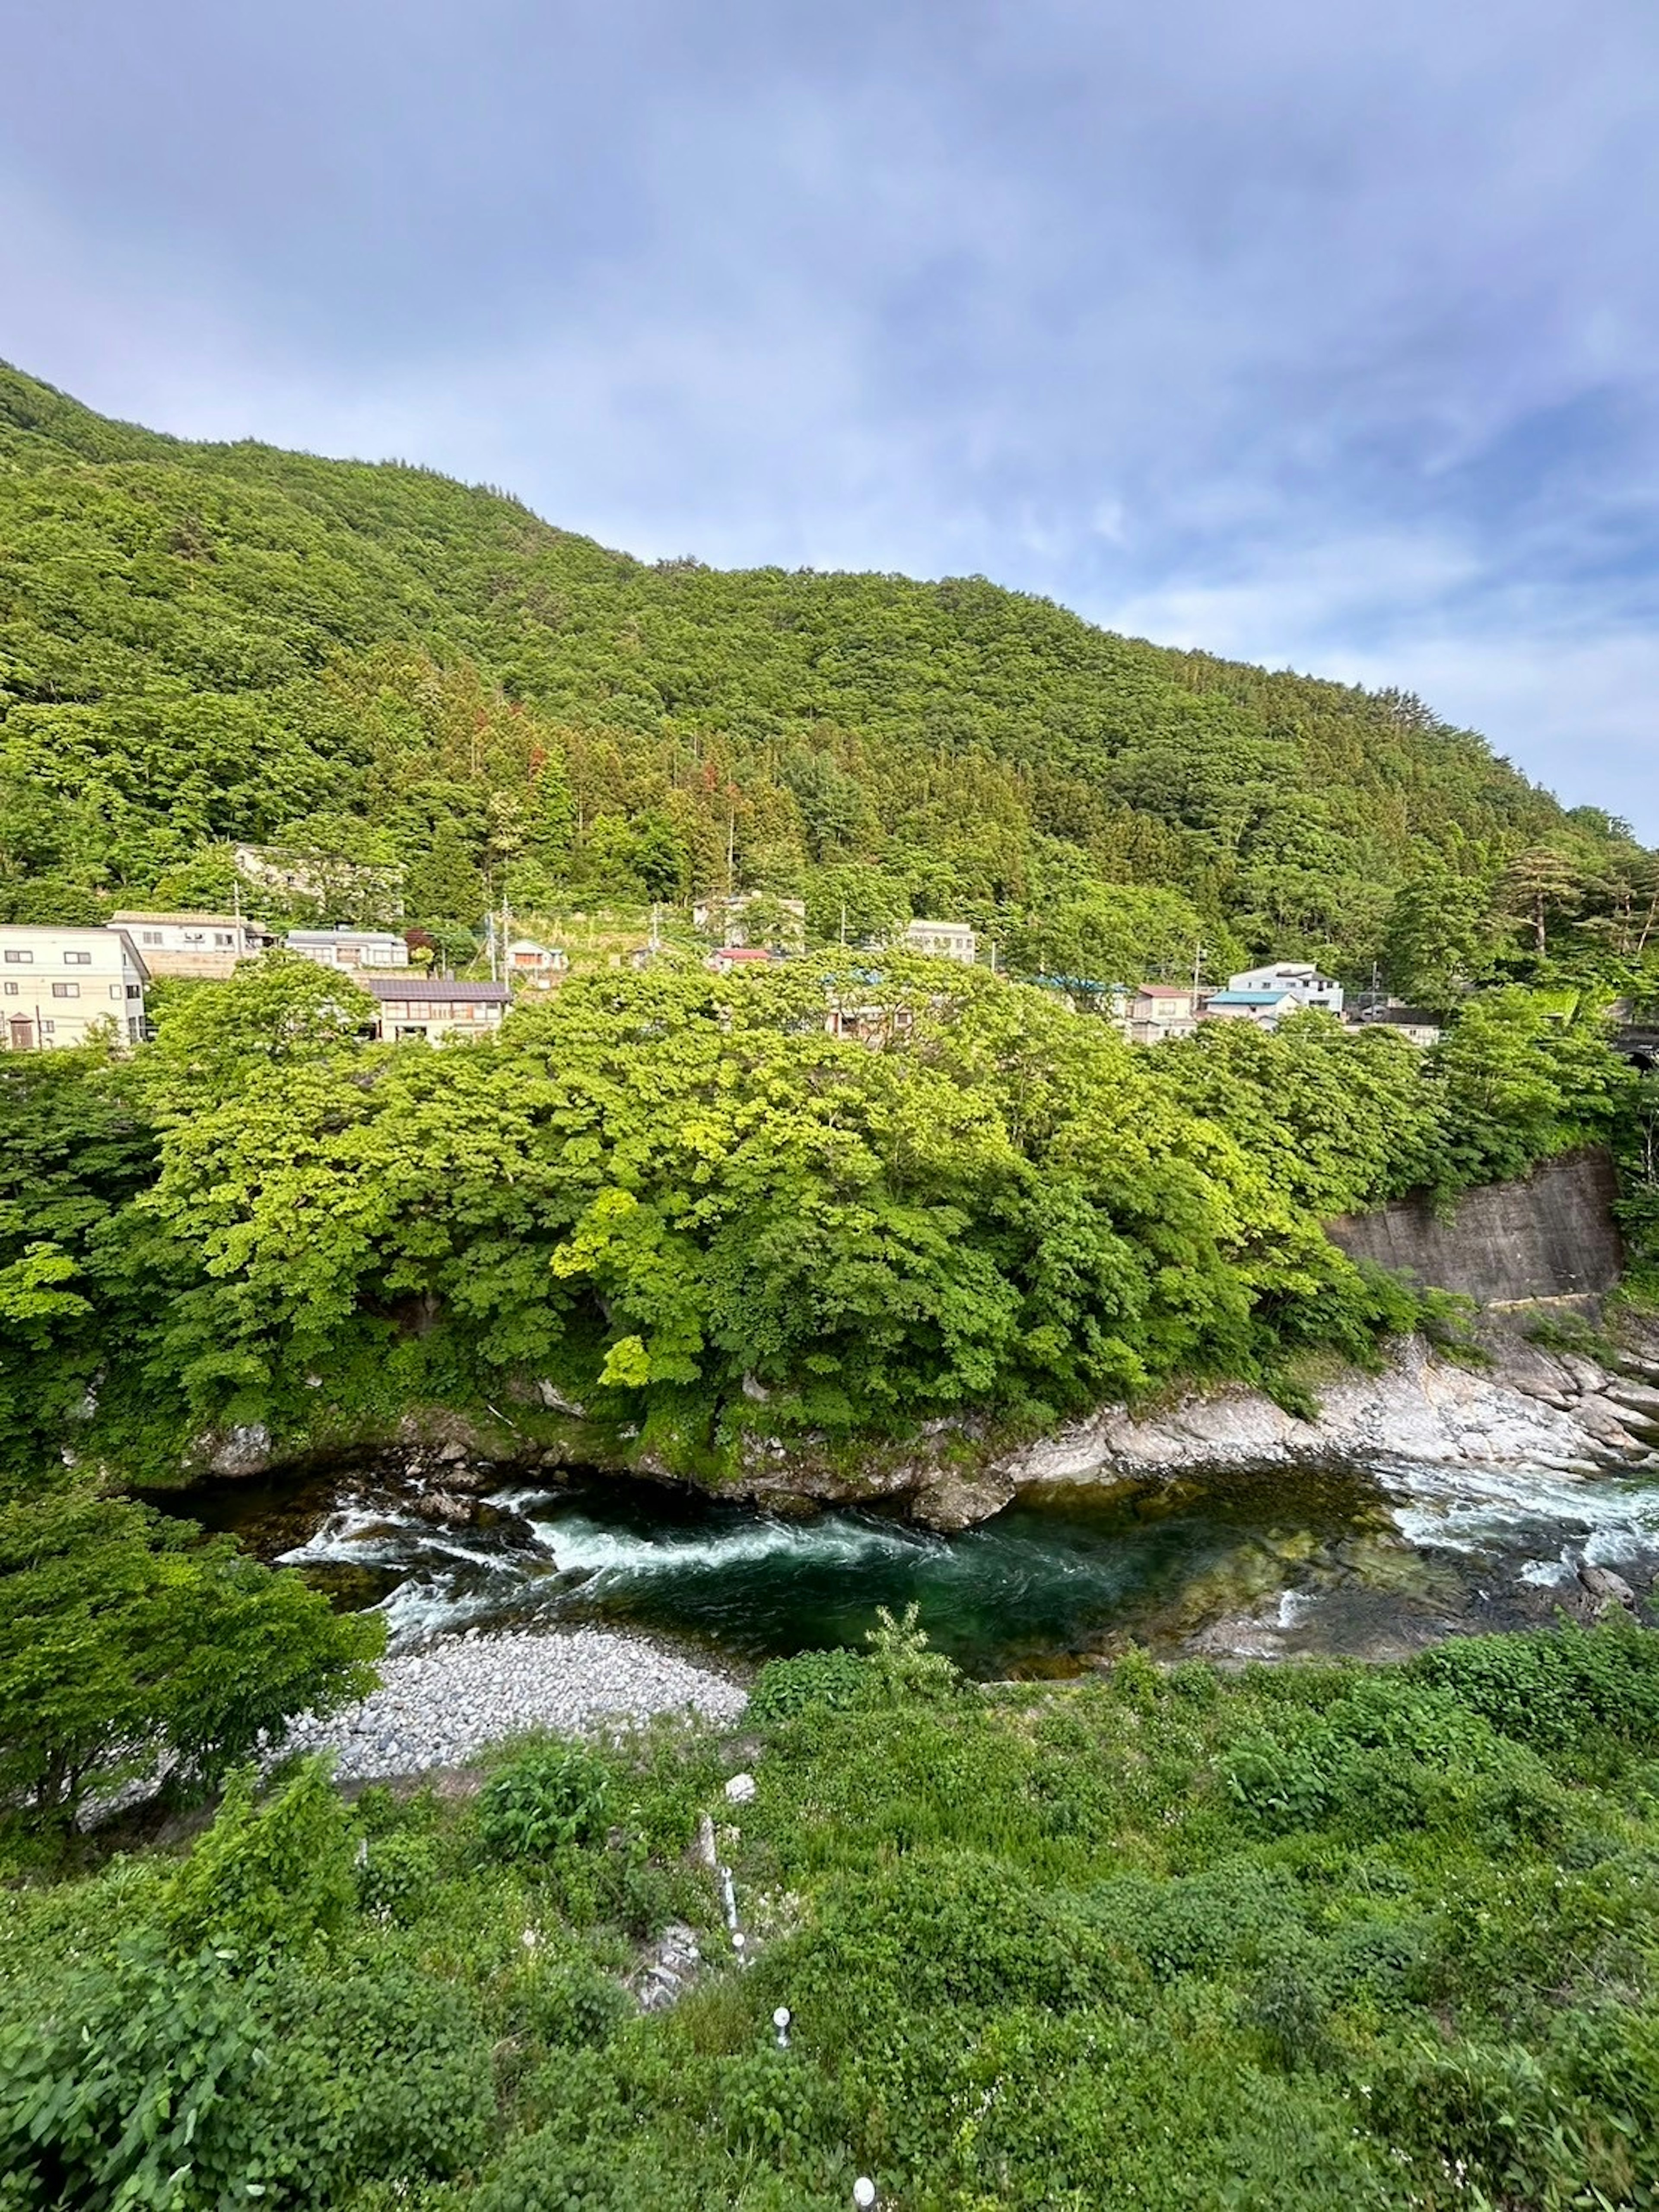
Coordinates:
<point>1368,1561</point>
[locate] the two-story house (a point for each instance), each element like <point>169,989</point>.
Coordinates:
<point>1159,1010</point>
<point>65,986</point>
<point>212,945</point>
<point>1300,978</point>
<point>942,940</point>
<point>729,917</point>
<point>436,1007</point>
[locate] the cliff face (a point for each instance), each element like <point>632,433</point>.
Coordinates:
<point>1551,1234</point>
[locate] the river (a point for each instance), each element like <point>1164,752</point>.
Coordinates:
<point>1367,1561</point>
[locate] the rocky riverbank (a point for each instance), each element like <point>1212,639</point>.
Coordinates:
<point>1513,1403</point>
<point>440,1707</point>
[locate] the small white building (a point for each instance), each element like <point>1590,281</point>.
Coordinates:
<point>192,943</point>
<point>60,988</point>
<point>1300,978</point>
<point>538,963</point>
<point>353,949</point>
<point>942,940</point>
<point>436,1007</point>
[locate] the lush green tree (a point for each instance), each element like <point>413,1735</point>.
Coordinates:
<point>444,884</point>
<point>127,1640</point>
<point>1439,938</point>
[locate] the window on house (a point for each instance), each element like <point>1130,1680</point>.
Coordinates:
<point>150,937</point>
<point>77,960</point>
<point>115,990</point>
<point>222,937</point>
<point>11,990</point>
<point>48,1028</point>
<point>135,990</point>
<point>66,990</point>
<point>19,959</point>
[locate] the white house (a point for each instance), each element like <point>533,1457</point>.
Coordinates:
<point>350,948</point>
<point>59,987</point>
<point>1300,977</point>
<point>1159,1010</point>
<point>942,940</point>
<point>192,943</point>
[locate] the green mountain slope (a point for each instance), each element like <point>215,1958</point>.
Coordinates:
<point>204,643</point>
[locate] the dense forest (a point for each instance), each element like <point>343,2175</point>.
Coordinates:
<point>206,644</point>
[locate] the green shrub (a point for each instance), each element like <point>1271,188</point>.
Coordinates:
<point>267,1877</point>
<point>396,1876</point>
<point>785,1688</point>
<point>555,1794</point>
<point>1550,1690</point>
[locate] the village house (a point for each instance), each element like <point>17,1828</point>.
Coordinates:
<point>1159,1010</point>
<point>60,988</point>
<point>353,949</point>
<point>942,940</point>
<point>729,916</point>
<point>326,879</point>
<point>436,1007</point>
<point>1267,1009</point>
<point>211,944</point>
<point>538,965</point>
<point>1300,978</point>
<point>737,956</point>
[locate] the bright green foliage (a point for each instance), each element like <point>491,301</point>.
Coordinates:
<point>126,1639</point>
<point>267,1877</point>
<point>786,1688</point>
<point>1522,1083</point>
<point>680,1201</point>
<point>553,1796</point>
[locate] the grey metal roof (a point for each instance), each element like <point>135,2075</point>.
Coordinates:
<point>444,989</point>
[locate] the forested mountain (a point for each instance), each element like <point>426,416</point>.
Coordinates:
<point>207,643</point>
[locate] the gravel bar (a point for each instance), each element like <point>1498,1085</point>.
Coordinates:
<point>439,1707</point>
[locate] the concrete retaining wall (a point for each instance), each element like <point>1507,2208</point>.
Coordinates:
<point>1550,1235</point>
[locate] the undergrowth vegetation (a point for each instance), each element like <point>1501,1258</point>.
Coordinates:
<point>1318,1938</point>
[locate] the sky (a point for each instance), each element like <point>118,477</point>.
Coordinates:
<point>1317,333</point>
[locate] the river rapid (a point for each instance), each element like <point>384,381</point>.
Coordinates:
<point>1367,1561</point>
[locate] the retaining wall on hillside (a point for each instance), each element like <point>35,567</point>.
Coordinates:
<point>1551,1234</point>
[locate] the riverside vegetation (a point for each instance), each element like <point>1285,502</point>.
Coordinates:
<point>1317,1938</point>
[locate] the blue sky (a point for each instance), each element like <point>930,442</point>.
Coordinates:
<point>1319,333</point>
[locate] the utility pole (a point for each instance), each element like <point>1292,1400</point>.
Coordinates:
<point>843,924</point>
<point>1199,952</point>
